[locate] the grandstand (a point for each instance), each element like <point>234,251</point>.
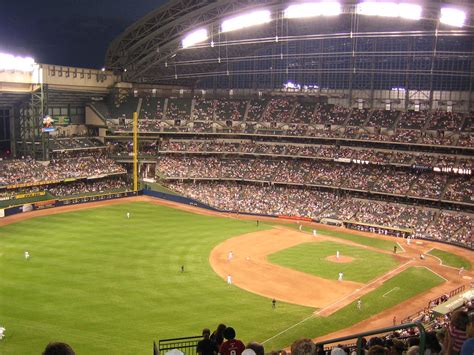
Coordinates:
<point>350,114</point>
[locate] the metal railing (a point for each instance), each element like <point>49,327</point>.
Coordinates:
<point>187,345</point>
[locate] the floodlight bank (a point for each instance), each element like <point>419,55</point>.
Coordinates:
<point>247,20</point>
<point>313,9</point>
<point>390,9</point>
<point>195,37</point>
<point>452,17</point>
<point>11,62</point>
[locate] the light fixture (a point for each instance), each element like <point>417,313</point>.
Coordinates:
<point>195,37</point>
<point>312,9</point>
<point>390,9</point>
<point>452,17</point>
<point>14,63</point>
<point>246,20</point>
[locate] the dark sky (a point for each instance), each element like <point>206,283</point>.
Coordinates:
<point>67,32</point>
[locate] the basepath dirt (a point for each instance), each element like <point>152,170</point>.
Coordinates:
<point>251,270</point>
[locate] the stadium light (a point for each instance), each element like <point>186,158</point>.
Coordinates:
<point>312,9</point>
<point>390,9</point>
<point>410,11</point>
<point>247,20</point>
<point>195,37</point>
<point>452,17</point>
<point>10,62</point>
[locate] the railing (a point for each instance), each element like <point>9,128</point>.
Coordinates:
<point>415,316</point>
<point>359,336</point>
<point>432,303</point>
<point>441,299</point>
<point>187,345</point>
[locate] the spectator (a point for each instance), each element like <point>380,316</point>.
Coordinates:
<point>456,333</point>
<point>303,347</point>
<point>377,350</point>
<point>468,345</point>
<point>257,347</point>
<point>231,346</point>
<point>58,348</point>
<point>218,335</point>
<point>207,346</point>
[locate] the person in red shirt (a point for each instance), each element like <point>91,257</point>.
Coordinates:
<point>456,334</point>
<point>231,346</point>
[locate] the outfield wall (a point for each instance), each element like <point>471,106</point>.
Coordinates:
<point>179,199</point>
<point>52,203</point>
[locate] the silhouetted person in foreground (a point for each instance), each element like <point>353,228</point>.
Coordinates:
<point>58,349</point>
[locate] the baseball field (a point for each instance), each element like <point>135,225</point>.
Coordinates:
<point>108,284</point>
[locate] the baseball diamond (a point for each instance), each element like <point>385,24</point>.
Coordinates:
<point>258,177</point>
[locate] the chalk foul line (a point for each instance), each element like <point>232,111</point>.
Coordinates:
<point>338,301</point>
<point>393,289</point>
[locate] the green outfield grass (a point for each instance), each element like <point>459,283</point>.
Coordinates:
<point>404,285</point>
<point>359,239</point>
<point>450,259</point>
<point>109,285</point>
<point>311,258</point>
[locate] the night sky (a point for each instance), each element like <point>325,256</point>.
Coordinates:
<point>67,32</point>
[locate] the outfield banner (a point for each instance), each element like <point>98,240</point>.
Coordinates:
<point>331,222</point>
<point>27,184</point>
<point>342,160</point>
<point>93,177</point>
<point>70,179</point>
<point>57,203</point>
<point>397,229</point>
<point>27,208</point>
<point>295,218</point>
<point>31,194</point>
<point>5,198</point>
<point>94,198</point>
<point>44,204</point>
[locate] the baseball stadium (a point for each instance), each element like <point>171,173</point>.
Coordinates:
<point>298,171</point>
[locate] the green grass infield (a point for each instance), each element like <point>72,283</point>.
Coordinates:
<point>450,259</point>
<point>359,239</point>
<point>311,258</point>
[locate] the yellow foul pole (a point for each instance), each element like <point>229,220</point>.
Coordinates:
<point>135,151</point>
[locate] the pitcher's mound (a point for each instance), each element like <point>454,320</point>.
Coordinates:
<point>342,259</point>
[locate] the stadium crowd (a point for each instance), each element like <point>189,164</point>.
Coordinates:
<point>288,116</point>
<point>376,178</point>
<point>65,189</point>
<point>29,171</point>
<point>373,156</point>
<point>88,186</point>
<point>311,203</point>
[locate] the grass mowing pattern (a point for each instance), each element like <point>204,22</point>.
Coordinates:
<point>410,282</point>
<point>311,258</point>
<point>451,259</point>
<point>108,285</point>
<point>359,239</point>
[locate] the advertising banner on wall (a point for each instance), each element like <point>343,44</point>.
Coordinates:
<point>27,208</point>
